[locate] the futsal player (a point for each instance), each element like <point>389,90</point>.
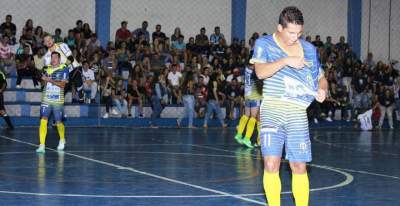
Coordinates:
<point>55,78</point>
<point>3,113</point>
<point>249,120</point>
<point>293,78</point>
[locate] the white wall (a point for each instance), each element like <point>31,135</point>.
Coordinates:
<point>50,14</point>
<point>189,15</point>
<point>323,17</point>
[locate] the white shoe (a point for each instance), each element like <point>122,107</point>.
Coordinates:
<point>41,149</point>
<point>329,119</point>
<point>315,120</point>
<point>61,145</point>
<point>105,116</point>
<point>18,86</point>
<point>114,112</point>
<point>391,127</point>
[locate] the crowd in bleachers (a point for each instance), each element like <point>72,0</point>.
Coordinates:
<point>140,64</point>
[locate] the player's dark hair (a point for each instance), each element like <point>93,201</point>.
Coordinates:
<point>292,15</point>
<point>56,53</point>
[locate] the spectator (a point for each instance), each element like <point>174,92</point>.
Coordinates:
<point>216,36</point>
<point>6,55</point>
<point>174,80</point>
<point>57,36</point>
<point>176,35</point>
<point>87,32</point>
<point>123,58</point>
<point>107,87</point>
<point>317,42</point>
<point>158,34</point>
<point>26,67</point>
<point>123,33</point>
<point>386,106</point>
<point>79,27</point>
<point>234,98</point>
<point>215,97</point>
<point>8,25</point>
<point>142,31</point>
<point>134,97</point>
<point>201,42</point>
<point>70,39</point>
<point>119,98</point>
<point>89,81</point>
<point>188,90</point>
<point>28,26</point>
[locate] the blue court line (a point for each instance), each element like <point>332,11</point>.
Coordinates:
<point>225,194</point>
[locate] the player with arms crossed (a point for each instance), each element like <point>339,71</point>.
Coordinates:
<point>293,78</point>
<point>55,78</point>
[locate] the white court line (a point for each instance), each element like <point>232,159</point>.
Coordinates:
<point>336,169</point>
<point>351,148</point>
<point>146,173</point>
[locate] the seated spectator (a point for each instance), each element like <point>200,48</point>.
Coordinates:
<point>8,25</point>
<point>142,31</point>
<point>235,75</point>
<point>57,36</point>
<point>123,33</point>
<point>216,36</point>
<point>119,98</point>
<point>202,43</point>
<point>157,62</point>
<point>26,67</point>
<point>92,45</point>
<point>134,97</point>
<point>89,81</point>
<point>218,50</point>
<point>174,80</point>
<point>179,48</point>
<point>123,58</point>
<point>38,36</point>
<point>158,34</point>
<point>78,26</point>
<point>6,55</point>
<point>87,32</point>
<point>317,42</point>
<point>176,35</point>
<point>70,39</point>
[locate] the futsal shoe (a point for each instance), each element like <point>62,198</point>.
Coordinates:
<point>40,149</point>
<point>247,143</point>
<point>238,138</point>
<point>61,145</point>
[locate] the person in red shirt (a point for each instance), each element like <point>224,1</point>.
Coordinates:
<point>122,33</point>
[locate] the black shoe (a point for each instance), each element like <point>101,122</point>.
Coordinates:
<point>92,101</point>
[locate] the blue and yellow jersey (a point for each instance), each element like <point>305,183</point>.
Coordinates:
<point>297,86</point>
<point>52,94</point>
<point>250,89</point>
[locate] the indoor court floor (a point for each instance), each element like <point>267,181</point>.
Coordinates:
<point>190,167</point>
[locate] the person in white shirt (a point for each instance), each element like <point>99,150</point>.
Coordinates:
<point>174,79</point>
<point>89,81</point>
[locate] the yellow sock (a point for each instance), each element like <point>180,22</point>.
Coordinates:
<point>61,131</point>
<point>242,124</point>
<point>250,128</point>
<point>43,131</point>
<point>272,188</point>
<point>258,130</point>
<point>301,189</point>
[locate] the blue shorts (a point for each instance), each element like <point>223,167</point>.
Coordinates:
<point>252,103</point>
<point>57,110</point>
<point>285,124</point>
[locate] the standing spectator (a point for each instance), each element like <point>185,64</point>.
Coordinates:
<point>158,34</point>
<point>119,99</point>
<point>142,31</point>
<point>386,106</point>
<point>25,67</point>
<point>107,86</point>
<point>123,33</point>
<point>234,98</point>
<point>188,90</point>
<point>361,100</point>
<point>89,81</point>
<point>216,36</point>
<point>154,92</point>
<point>134,97</point>
<point>8,25</point>
<point>201,96</point>
<point>214,99</point>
